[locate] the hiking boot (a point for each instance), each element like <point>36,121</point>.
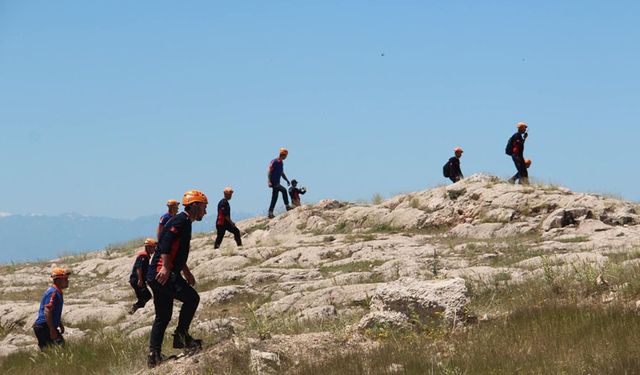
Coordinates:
<point>511,181</point>
<point>133,309</point>
<point>154,358</point>
<point>185,341</point>
<point>289,208</point>
<point>271,216</point>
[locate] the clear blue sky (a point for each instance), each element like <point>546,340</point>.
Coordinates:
<point>109,108</point>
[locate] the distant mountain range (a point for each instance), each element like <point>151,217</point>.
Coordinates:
<point>33,237</point>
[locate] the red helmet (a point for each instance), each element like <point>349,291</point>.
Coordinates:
<point>458,149</point>
<point>172,202</point>
<point>60,273</point>
<point>522,125</point>
<point>150,242</point>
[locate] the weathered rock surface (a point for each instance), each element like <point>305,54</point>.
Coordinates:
<point>382,265</point>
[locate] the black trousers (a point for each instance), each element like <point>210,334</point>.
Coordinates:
<point>222,229</point>
<point>142,293</point>
<point>44,337</point>
<point>275,189</point>
<point>520,166</point>
<point>163,296</point>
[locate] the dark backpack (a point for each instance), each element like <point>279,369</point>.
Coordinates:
<point>509,149</point>
<point>446,169</point>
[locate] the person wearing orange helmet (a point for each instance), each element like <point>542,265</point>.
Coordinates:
<point>170,278</point>
<point>276,171</point>
<point>224,222</point>
<point>515,149</point>
<point>452,168</point>
<point>138,278</point>
<point>48,326</point>
<point>172,210</point>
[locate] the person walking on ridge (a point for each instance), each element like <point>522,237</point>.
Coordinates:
<point>165,277</point>
<point>453,165</point>
<point>515,149</point>
<point>48,326</point>
<point>295,193</point>
<point>276,171</point>
<point>224,222</point>
<point>138,278</point>
<point>172,210</point>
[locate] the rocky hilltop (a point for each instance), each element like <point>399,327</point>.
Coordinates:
<point>324,277</point>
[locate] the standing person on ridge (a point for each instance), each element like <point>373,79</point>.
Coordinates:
<point>515,148</point>
<point>165,277</point>
<point>455,173</point>
<point>48,326</point>
<point>276,171</point>
<point>138,278</point>
<point>224,222</point>
<point>172,205</point>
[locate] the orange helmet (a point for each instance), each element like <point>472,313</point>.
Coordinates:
<point>527,163</point>
<point>59,273</point>
<point>228,190</point>
<point>150,242</point>
<point>522,125</point>
<point>284,151</point>
<point>458,149</point>
<point>172,202</point>
<point>194,196</point>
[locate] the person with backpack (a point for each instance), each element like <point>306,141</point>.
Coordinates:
<point>515,149</point>
<point>452,169</point>
<point>224,222</point>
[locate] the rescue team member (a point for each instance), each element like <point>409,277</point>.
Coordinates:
<point>455,173</point>
<point>48,326</point>
<point>515,148</point>
<point>295,193</point>
<point>165,277</point>
<point>276,171</point>
<point>138,278</point>
<point>224,222</point>
<point>172,205</point>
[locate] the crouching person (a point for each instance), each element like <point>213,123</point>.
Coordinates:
<point>48,326</point>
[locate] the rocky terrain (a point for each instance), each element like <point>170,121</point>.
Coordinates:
<point>330,275</point>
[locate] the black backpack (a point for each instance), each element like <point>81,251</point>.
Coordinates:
<point>446,169</point>
<point>509,149</point>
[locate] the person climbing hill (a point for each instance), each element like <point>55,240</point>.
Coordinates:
<point>165,277</point>
<point>295,193</point>
<point>48,326</point>
<point>224,222</point>
<point>452,168</point>
<point>276,172</point>
<point>138,277</point>
<point>515,149</point>
<point>172,210</point>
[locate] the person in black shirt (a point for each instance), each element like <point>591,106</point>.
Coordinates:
<point>165,277</point>
<point>455,173</point>
<point>138,278</point>
<point>516,147</point>
<point>224,222</point>
<point>295,193</point>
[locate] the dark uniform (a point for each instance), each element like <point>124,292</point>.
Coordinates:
<point>276,169</point>
<point>142,293</point>
<point>175,240</point>
<point>52,300</point>
<point>455,173</point>
<point>223,225</point>
<point>517,154</point>
<point>295,194</point>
